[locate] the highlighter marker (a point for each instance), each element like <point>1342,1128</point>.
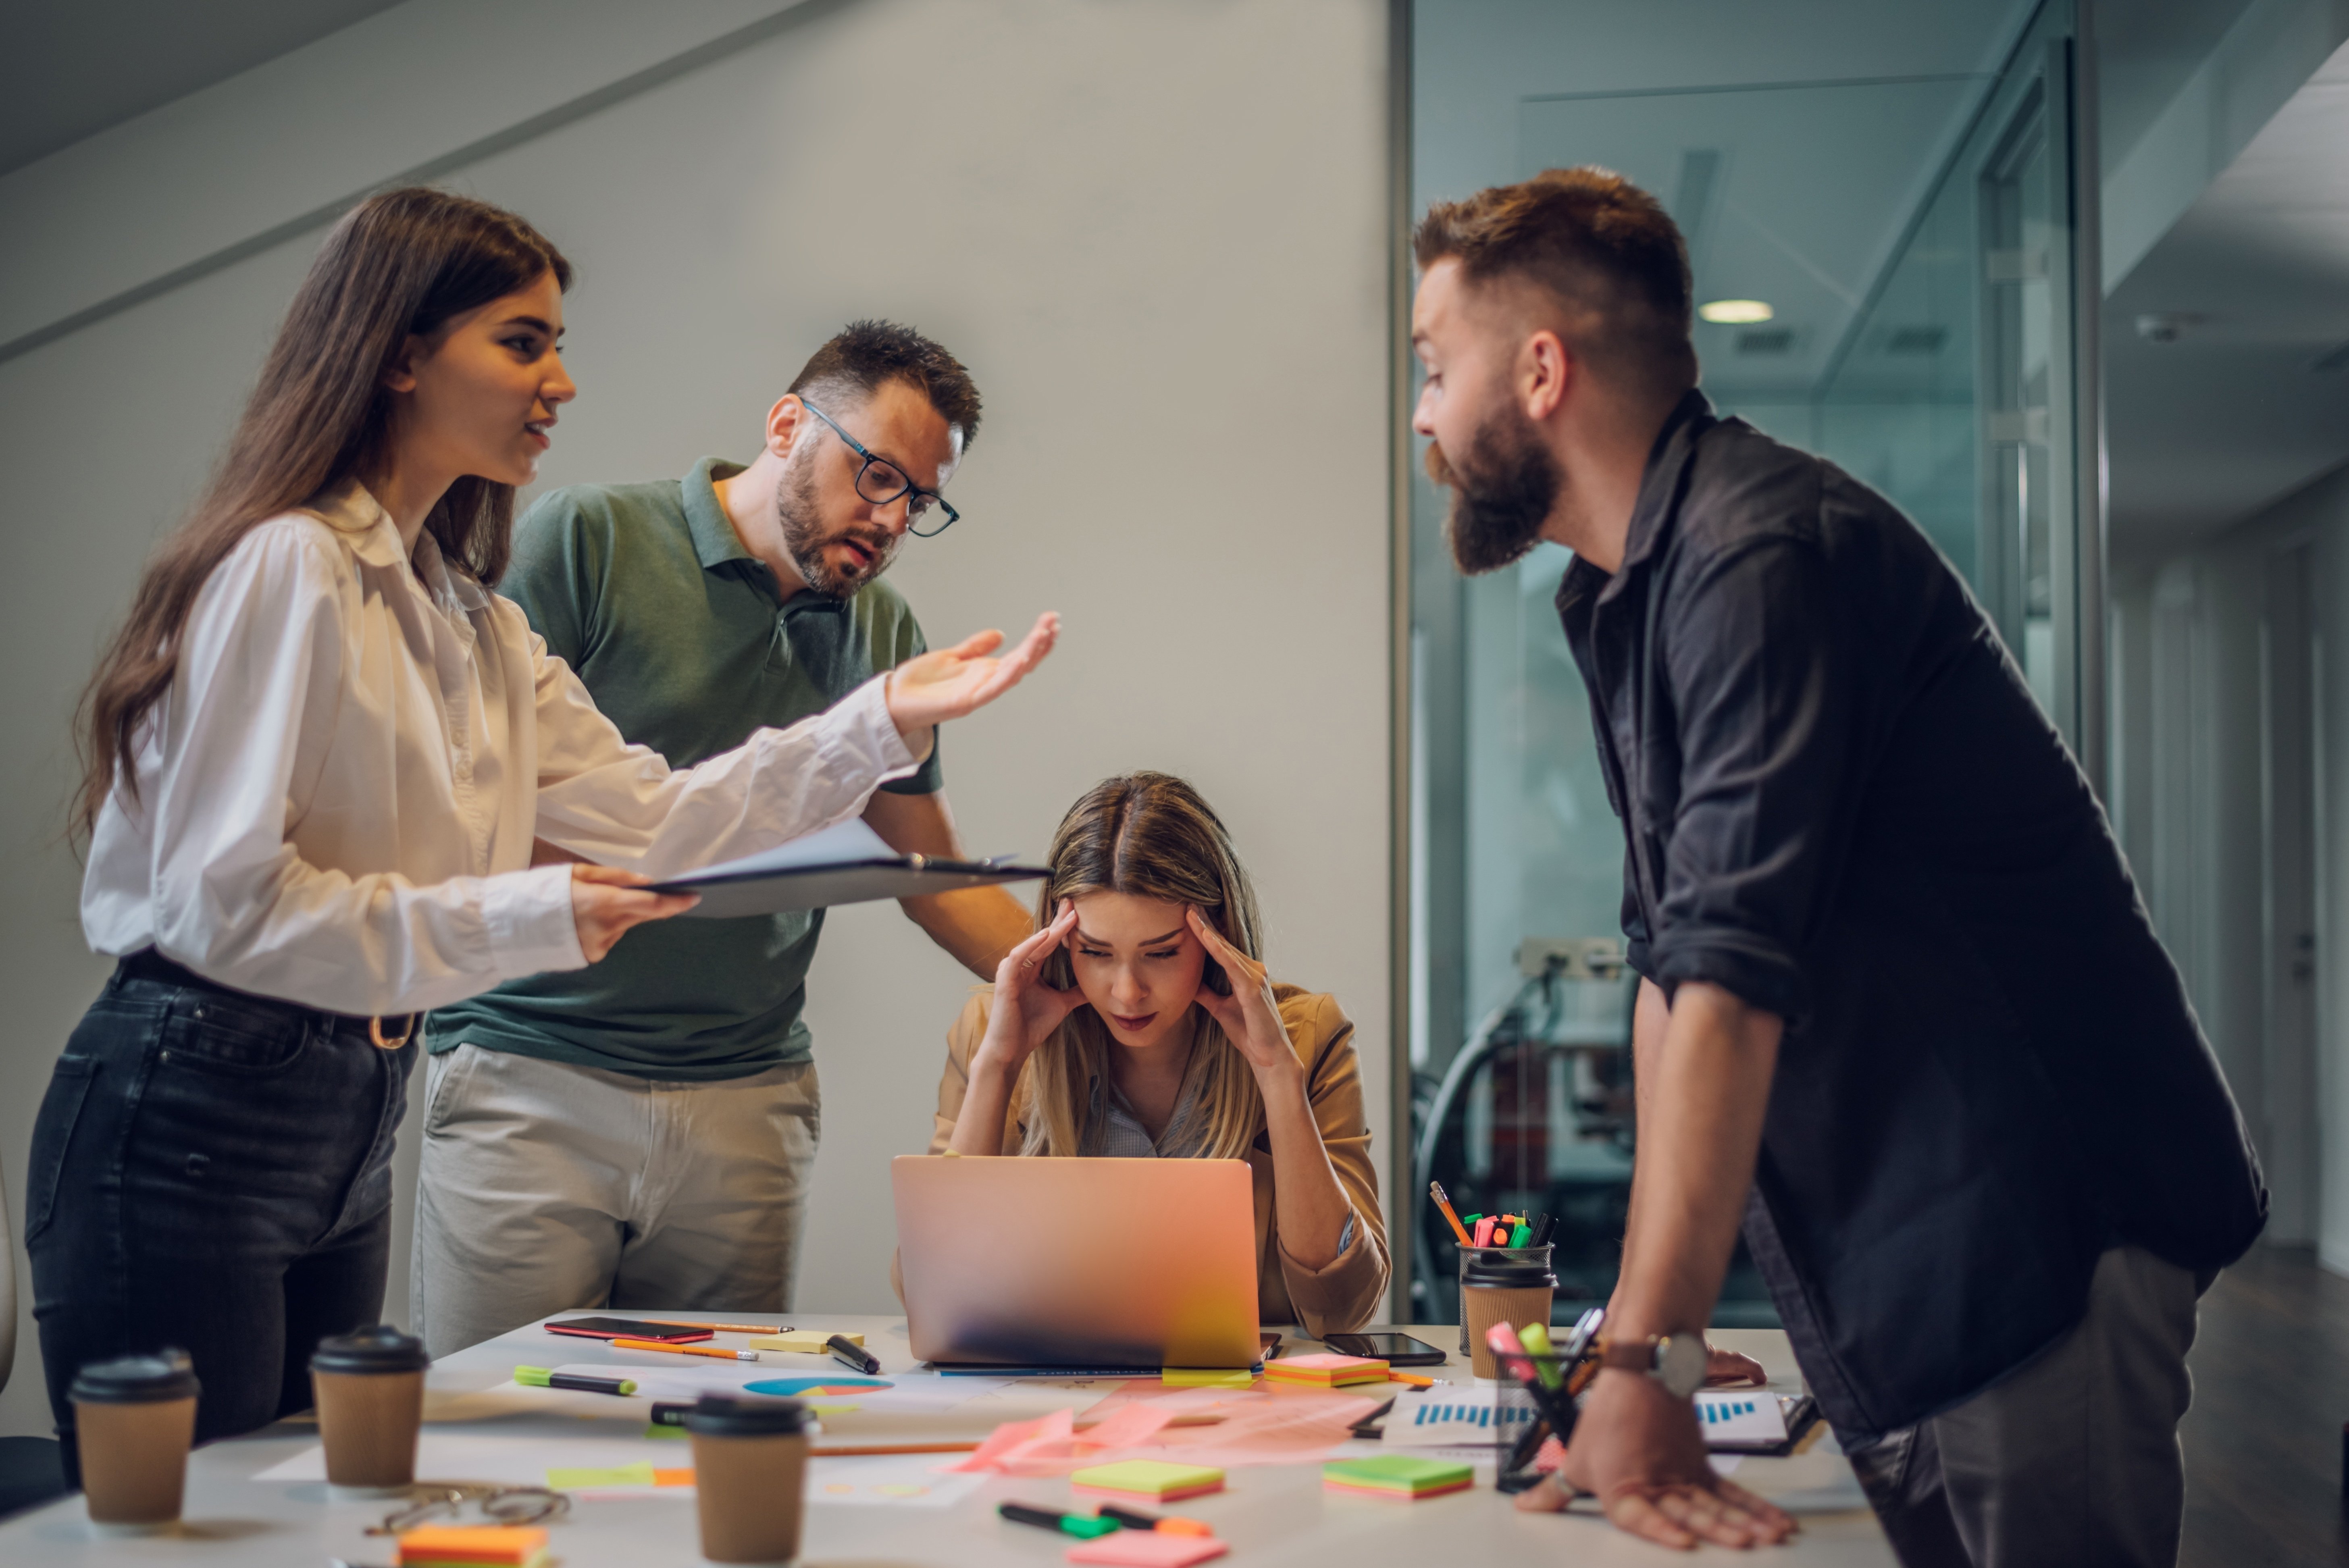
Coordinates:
<point>1169,1525</point>
<point>852,1355</point>
<point>1077,1524</point>
<point>1536,1337</point>
<point>1521,1235</point>
<point>1484,1237</point>
<point>540,1377</point>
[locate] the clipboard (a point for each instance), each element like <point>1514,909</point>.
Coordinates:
<point>844,863</point>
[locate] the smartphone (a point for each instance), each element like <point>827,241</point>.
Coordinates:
<point>1395,1349</point>
<point>1267,1344</point>
<point>626,1328</point>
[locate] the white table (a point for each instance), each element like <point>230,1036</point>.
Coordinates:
<point>1270,1515</point>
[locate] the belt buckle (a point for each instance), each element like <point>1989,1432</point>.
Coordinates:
<point>375,1033</point>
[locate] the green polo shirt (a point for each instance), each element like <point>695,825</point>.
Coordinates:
<point>679,635</point>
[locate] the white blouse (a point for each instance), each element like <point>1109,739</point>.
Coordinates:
<point>336,799</point>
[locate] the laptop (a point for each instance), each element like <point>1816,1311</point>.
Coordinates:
<point>1101,1267</point>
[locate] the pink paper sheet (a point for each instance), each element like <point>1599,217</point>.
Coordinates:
<point>1259,1427</point>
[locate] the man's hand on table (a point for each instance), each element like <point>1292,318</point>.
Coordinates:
<point>1726,1368</point>
<point>1638,1449</point>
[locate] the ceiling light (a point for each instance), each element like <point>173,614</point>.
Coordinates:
<point>1735,312</point>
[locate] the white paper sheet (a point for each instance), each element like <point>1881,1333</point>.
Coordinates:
<point>844,843</point>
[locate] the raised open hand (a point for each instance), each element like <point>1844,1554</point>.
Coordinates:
<point>947,683</point>
<point>1250,1015</point>
<point>1026,1010</point>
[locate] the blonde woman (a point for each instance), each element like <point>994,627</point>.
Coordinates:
<point>1139,1021</point>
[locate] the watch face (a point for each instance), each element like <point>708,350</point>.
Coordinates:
<point>1679,1364</point>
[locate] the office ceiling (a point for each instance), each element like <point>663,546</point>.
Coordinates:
<point>2251,401</point>
<point>69,68</point>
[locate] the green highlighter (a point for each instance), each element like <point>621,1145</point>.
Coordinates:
<point>542,1378</point>
<point>1084,1527</point>
<point>1534,1338</point>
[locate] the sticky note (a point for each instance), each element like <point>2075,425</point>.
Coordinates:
<point>617,1475</point>
<point>1156,1480</point>
<point>1398,1475</point>
<point>804,1341</point>
<point>1149,1549</point>
<point>490,1543</point>
<point>656,1429</point>
<point>1206,1378</point>
<point>1326,1371</point>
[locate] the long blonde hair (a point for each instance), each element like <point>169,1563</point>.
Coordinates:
<point>1150,835</point>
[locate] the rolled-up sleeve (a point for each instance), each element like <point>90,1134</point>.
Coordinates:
<point>1763,702</point>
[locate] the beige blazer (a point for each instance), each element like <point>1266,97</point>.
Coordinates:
<point>1337,1299</point>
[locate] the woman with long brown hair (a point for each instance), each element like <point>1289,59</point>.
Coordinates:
<point>319,751</point>
<point>1140,1021</point>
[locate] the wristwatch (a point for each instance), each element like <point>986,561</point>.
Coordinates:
<point>1675,1360</point>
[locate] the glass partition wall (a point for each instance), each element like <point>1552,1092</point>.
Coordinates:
<point>1908,248</point>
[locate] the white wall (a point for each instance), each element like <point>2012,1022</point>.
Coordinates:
<point>1156,231</point>
<point>2194,630</point>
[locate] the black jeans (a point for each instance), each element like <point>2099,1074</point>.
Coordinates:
<point>211,1171</point>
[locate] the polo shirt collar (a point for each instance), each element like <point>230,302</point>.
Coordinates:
<point>715,543</point>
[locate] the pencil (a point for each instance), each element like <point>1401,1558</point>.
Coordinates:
<point>684,1349</point>
<point>1436,1190</point>
<point>721,1327</point>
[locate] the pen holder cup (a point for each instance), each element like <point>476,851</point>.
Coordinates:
<point>1468,1255</point>
<point>1520,1424</point>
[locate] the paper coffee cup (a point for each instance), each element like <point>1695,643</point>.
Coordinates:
<point>369,1387</point>
<point>750,1476</point>
<point>1494,1290</point>
<point>133,1421</point>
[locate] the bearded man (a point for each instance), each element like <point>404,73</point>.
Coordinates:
<point>1900,1012</point>
<point>641,1133</point>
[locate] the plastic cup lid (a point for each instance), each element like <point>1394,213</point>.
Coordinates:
<point>1498,1274</point>
<point>137,1380</point>
<point>745,1416</point>
<point>377,1348</point>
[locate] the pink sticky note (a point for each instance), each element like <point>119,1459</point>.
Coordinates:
<point>1149,1549</point>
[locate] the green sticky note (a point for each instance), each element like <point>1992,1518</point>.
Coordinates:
<point>1398,1475</point>
<point>656,1429</point>
<point>618,1475</point>
<point>1206,1377</point>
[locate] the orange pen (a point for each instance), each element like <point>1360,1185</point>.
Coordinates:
<point>1411,1379</point>
<point>683,1349</point>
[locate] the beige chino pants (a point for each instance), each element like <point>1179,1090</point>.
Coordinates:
<point>547,1187</point>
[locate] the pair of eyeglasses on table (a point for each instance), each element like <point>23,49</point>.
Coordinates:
<point>436,1500</point>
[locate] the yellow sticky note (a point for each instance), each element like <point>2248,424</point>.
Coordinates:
<point>1206,1377</point>
<point>585,1479</point>
<point>803,1341</point>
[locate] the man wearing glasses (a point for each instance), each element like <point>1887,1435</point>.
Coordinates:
<point>641,1133</point>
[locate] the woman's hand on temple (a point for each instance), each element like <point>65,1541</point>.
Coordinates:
<point>948,683</point>
<point>606,904</point>
<point>1027,1010</point>
<point>1249,1016</point>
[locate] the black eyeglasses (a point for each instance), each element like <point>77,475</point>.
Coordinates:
<point>882,481</point>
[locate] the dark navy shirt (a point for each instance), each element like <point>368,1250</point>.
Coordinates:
<point>1842,805</point>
